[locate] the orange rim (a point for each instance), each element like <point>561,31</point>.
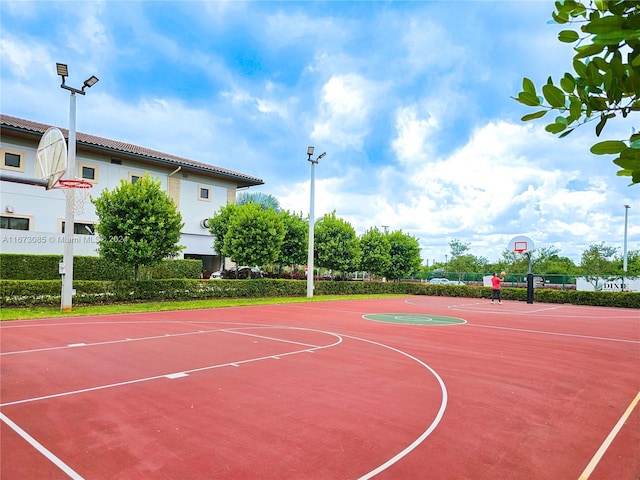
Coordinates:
<point>73,184</point>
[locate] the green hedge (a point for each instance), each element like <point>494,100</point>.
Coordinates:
<point>45,267</point>
<point>24,293</point>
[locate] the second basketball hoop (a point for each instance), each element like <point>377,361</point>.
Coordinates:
<point>521,244</point>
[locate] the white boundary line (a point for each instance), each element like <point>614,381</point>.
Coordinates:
<point>558,334</point>
<point>38,446</point>
<point>186,372</point>
<point>366,476</point>
<point>483,306</point>
<point>138,339</point>
<point>430,428</point>
<point>607,441</point>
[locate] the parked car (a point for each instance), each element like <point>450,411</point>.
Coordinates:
<point>243,272</point>
<point>445,281</point>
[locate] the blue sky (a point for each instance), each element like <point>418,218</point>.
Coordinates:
<point>410,100</point>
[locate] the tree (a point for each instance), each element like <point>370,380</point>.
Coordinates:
<point>606,78</point>
<point>336,244</point>
<point>254,235</point>
<point>633,263</point>
<point>138,224</point>
<point>547,260</point>
<point>510,262</point>
<point>265,200</point>
<point>375,251</point>
<point>458,248</point>
<point>218,226</point>
<point>596,263</point>
<point>461,261</point>
<point>295,246</point>
<point>405,255</point>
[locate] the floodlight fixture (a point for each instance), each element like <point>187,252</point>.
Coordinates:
<point>310,151</point>
<point>62,69</point>
<point>90,82</point>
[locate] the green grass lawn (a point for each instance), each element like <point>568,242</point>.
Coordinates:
<point>54,312</point>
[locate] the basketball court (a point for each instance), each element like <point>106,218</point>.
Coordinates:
<point>410,388</point>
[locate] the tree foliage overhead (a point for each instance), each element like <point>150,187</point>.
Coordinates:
<point>139,224</point>
<point>605,82</point>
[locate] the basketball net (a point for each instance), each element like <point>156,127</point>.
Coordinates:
<point>76,189</point>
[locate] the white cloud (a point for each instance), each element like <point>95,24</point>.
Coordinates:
<point>404,97</point>
<point>344,111</point>
<point>410,145</point>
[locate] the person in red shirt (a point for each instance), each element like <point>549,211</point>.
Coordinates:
<point>495,287</point>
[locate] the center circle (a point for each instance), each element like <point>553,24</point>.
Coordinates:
<point>413,319</point>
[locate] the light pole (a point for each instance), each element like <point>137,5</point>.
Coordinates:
<point>67,260</point>
<point>311,219</point>
<point>624,248</point>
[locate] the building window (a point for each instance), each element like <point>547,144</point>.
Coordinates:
<point>82,228</point>
<point>88,172</point>
<point>14,223</point>
<point>133,178</point>
<point>204,193</point>
<point>116,161</point>
<point>12,160</point>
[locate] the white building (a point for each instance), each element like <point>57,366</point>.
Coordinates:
<point>32,217</point>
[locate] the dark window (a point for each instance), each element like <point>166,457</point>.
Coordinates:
<point>14,223</point>
<point>89,173</point>
<point>82,228</point>
<point>116,161</point>
<point>135,178</point>
<point>11,160</point>
<point>204,193</point>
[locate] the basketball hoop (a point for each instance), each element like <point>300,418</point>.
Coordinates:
<point>76,189</point>
<point>520,247</point>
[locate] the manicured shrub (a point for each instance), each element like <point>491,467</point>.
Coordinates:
<point>25,293</point>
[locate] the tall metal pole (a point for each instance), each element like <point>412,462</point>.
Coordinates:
<point>624,255</point>
<point>69,220</point>
<point>311,231</point>
<point>66,268</point>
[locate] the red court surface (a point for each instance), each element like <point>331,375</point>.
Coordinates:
<point>318,391</point>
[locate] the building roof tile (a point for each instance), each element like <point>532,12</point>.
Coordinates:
<point>88,142</point>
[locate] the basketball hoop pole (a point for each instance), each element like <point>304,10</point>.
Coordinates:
<point>530,293</point>
<point>523,245</point>
<point>69,220</point>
